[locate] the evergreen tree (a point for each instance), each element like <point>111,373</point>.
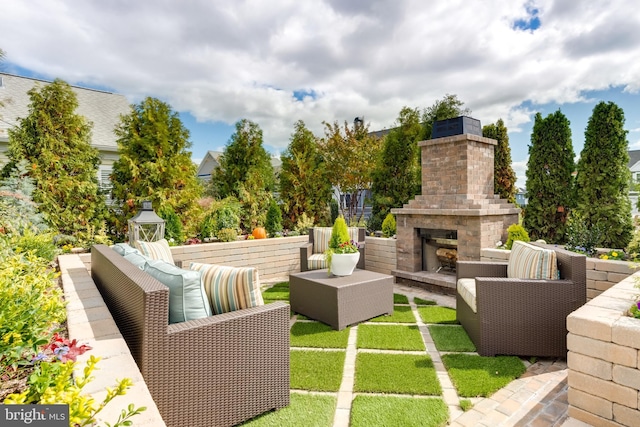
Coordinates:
<point>504,177</point>
<point>245,172</point>
<point>394,182</point>
<point>304,184</point>
<point>154,164</point>
<point>602,183</point>
<point>273,223</point>
<point>63,164</point>
<point>549,181</point>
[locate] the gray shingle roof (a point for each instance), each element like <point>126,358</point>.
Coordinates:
<point>101,108</point>
<point>634,157</point>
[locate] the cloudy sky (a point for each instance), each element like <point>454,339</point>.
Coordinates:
<point>278,61</point>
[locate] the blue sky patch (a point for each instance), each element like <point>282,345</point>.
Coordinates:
<point>303,93</point>
<point>530,23</point>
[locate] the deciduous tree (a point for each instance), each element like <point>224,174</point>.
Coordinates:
<point>549,178</point>
<point>350,154</point>
<point>602,183</point>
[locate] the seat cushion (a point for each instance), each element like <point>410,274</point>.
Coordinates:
<point>531,262</point>
<point>187,299</point>
<point>467,289</point>
<point>155,250</point>
<point>317,262</point>
<point>230,288</point>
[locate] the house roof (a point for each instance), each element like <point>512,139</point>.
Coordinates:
<point>101,108</point>
<point>634,157</point>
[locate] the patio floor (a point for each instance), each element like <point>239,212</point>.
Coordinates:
<point>537,398</point>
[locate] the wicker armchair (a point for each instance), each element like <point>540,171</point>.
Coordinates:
<point>525,317</point>
<point>214,371</point>
<point>312,253</point>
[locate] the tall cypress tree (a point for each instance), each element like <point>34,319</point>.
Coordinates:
<point>155,164</point>
<point>504,177</point>
<point>602,184</point>
<point>394,180</point>
<point>63,164</point>
<point>549,178</point>
<point>304,184</point>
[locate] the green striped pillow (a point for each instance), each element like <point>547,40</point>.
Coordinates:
<point>155,250</point>
<point>230,288</point>
<point>532,262</point>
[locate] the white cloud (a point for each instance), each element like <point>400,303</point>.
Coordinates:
<point>223,61</point>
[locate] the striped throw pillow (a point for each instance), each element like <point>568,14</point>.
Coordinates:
<point>317,262</point>
<point>156,250</point>
<point>229,288</point>
<point>531,262</point>
<point>321,237</point>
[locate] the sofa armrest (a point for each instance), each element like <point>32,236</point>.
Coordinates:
<point>473,269</point>
<point>218,360</point>
<point>305,253</point>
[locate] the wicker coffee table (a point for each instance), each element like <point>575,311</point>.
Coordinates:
<point>341,301</point>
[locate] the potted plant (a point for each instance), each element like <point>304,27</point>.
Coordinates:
<point>342,255</point>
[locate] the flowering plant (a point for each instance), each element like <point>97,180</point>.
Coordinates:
<point>350,247</point>
<point>613,255</point>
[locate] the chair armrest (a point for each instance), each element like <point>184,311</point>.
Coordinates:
<point>305,253</point>
<point>473,269</point>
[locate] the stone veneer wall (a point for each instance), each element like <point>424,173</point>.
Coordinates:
<point>601,274</point>
<point>604,359</point>
<point>380,254</point>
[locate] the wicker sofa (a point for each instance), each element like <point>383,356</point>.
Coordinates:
<point>215,371</point>
<point>525,317</point>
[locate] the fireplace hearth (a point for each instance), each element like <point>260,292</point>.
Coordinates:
<point>456,215</point>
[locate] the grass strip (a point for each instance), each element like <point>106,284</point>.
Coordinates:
<point>420,301</point>
<point>304,410</point>
<point>272,294</point>
<point>400,299</point>
<point>401,314</point>
<point>396,373</point>
<point>437,314</point>
<point>318,335</point>
<point>316,370</point>
<point>389,337</point>
<point>479,376</point>
<point>391,411</point>
<point>451,338</point>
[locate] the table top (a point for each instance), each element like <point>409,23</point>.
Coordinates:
<point>358,276</point>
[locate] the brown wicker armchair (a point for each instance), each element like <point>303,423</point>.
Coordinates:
<point>525,317</point>
<point>214,371</point>
<point>312,253</point>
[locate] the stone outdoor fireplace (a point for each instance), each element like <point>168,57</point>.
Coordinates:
<point>457,213</point>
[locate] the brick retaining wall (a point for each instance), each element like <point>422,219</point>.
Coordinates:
<point>604,358</point>
<point>380,254</point>
<point>601,274</point>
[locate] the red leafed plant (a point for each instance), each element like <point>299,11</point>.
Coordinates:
<point>64,349</point>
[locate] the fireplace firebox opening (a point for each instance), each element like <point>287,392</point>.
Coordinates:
<point>439,250</point>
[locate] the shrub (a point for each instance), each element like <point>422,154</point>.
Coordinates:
<point>516,232</point>
<point>633,249</point>
<point>389,225</point>
<point>335,209</point>
<point>207,227</point>
<point>580,237</point>
<point>339,234</point>
<point>173,226</point>
<point>40,244</point>
<point>273,223</point>
<point>30,306</point>
<point>227,235</point>
<point>304,224</point>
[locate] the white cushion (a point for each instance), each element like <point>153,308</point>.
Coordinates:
<point>467,289</point>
